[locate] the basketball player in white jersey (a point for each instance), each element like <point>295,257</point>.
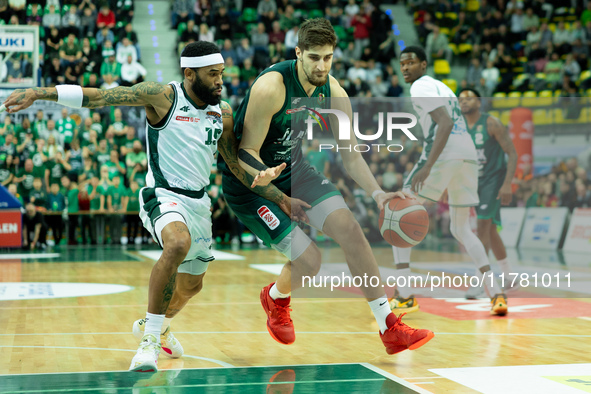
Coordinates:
<point>448,161</point>
<point>184,122</point>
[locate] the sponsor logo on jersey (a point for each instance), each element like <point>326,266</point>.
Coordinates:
<point>484,206</point>
<point>294,110</point>
<point>268,217</point>
<point>213,116</point>
<point>184,109</point>
<point>170,204</point>
<point>187,119</point>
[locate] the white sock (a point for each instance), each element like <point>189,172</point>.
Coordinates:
<point>166,324</point>
<point>153,324</point>
<point>381,310</point>
<point>505,266</point>
<point>275,293</point>
<point>402,261</point>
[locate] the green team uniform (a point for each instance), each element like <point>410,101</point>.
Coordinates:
<point>260,215</point>
<point>492,169</point>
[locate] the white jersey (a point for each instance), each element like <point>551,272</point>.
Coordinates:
<point>181,147</point>
<point>429,94</point>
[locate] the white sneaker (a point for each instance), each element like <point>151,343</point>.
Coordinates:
<point>171,346</point>
<point>146,358</point>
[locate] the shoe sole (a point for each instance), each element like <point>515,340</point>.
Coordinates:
<point>414,346</point>
<point>406,310</point>
<point>500,311</point>
<point>263,297</point>
<point>143,370</point>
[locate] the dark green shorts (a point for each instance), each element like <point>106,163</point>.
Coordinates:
<point>265,218</point>
<point>490,205</point>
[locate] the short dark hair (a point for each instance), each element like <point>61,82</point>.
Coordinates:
<point>469,90</point>
<point>316,32</point>
<point>418,51</point>
<point>199,48</point>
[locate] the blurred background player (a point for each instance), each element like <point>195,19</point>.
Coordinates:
<point>495,174</point>
<point>448,161</point>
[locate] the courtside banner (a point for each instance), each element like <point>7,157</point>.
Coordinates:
<point>10,228</point>
<point>17,42</point>
<point>543,228</point>
<point>512,222</point>
<point>578,237</point>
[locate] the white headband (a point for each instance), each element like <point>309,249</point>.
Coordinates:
<point>202,61</point>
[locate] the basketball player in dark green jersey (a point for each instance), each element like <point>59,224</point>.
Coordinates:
<point>273,158</point>
<point>494,174</point>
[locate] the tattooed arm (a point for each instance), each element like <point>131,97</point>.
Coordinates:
<point>155,97</point>
<point>228,148</point>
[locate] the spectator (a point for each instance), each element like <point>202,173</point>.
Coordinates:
<point>127,145</point>
<point>267,10</point>
<point>231,71</point>
<point>138,175</point>
<point>126,49</point>
<point>34,229</point>
<point>37,195</point>
<point>51,131</point>
<point>67,128</point>
<point>74,73</point>
<point>586,15</point>
<point>228,50</point>
<point>88,22</point>
<point>114,167</point>
<point>105,17</point>
<point>52,18</point>
<point>132,72</point>
<point>125,10</point>
<point>244,51</point>
<point>70,52</point>
<point>71,21</point>
<point>18,9</point>
<point>357,71</point>
<point>134,157</point>
<point>372,71</point>
<point>571,68</point>
<point>547,35</point>
<point>73,209</point>
<point>52,43</point>
<point>276,35</point>
<point>103,35</point>
<point>12,189</point>
<point>562,39</point>
<point>553,71</point>
<point>111,68</point>
<point>56,204</point>
<point>74,158</point>
<point>517,30</point>
<point>378,88</point>
<point>56,168</point>
<point>474,73</point>
<point>88,171</point>
<point>205,34</point>
<point>351,9</point>
<point>116,202</point>
<point>362,27</point>
<point>291,41</point>
<point>40,125</point>
<point>52,147</point>
<point>223,25</point>
<point>530,20</point>
<point>96,196</point>
<point>334,12</point>
<point>491,76</point>
<point>437,46</point>
<point>248,72</point>
<point>6,168</point>
<point>394,90</point>
<point>260,39</point>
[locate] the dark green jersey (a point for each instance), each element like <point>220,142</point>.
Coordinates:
<point>491,157</point>
<point>282,144</point>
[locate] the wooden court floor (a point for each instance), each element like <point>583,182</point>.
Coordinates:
<point>69,311</point>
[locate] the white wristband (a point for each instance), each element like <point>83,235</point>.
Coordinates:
<point>70,95</point>
<point>376,192</point>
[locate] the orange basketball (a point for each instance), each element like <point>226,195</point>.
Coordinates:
<point>404,223</point>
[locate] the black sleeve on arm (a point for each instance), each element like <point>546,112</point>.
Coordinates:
<point>251,161</point>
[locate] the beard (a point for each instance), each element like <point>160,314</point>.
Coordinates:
<point>314,80</point>
<point>205,93</point>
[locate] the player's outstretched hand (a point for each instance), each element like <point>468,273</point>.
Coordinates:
<point>18,100</point>
<point>505,194</point>
<point>265,177</point>
<point>383,198</point>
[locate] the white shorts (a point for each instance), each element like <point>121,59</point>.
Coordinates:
<point>459,177</point>
<point>159,207</point>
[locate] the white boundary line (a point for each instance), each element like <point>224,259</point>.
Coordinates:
<point>395,378</point>
<point>25,256</point>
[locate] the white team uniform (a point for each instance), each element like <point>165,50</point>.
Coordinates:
<point>180,153</point>
<point>456,168</point>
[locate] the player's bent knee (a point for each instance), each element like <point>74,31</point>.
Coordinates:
<point>177,245</point>
<point>189,285</point>
<point>342,227</point>
<point>308,263</point>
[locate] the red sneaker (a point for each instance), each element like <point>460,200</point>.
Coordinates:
<point>279,324</point>
<point>399,336</point>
